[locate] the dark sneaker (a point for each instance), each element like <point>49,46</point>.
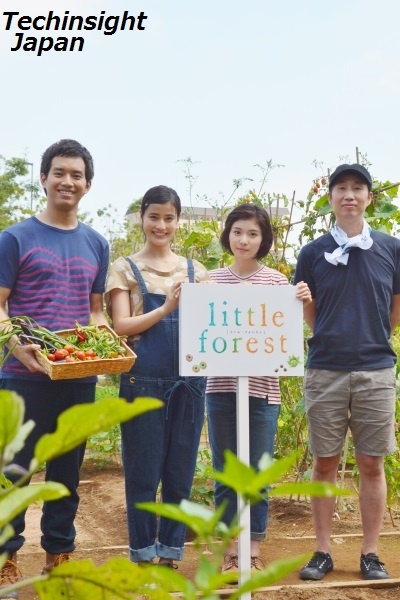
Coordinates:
<point>372,568</point>
<point>317,567</point>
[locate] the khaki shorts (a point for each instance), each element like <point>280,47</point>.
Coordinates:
<point>361,400</point>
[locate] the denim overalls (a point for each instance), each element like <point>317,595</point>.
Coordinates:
<point>160,445</point>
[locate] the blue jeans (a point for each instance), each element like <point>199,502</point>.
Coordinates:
<point>160,445</point>
<point>221,411</point>
<point>44,402</point>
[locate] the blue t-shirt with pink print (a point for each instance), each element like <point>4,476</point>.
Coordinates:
<point>51,273</point>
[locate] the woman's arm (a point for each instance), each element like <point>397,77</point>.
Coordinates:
<point>126,324</point>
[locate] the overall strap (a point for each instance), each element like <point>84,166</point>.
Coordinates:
<point>138,275</point>
<point>190,270</point>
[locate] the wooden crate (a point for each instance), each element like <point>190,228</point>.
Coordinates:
<point>87,368</point>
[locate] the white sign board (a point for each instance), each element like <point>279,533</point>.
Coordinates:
<point>240,330</point>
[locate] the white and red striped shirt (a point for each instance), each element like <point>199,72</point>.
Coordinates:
<point>260,387</point>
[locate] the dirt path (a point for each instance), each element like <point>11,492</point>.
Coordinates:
<point>102,534</point>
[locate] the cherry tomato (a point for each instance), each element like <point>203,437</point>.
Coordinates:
<point>80,355</point>
<point>69,359</point>
<point>51,357</point>
<point>90,353</point>
<point>60,354</point>
<point>69,348</point>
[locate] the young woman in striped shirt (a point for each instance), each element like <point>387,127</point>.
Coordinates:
<point>248,237</point>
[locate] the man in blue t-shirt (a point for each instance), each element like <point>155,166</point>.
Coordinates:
<point>53,269</point>
<point>354,276</point>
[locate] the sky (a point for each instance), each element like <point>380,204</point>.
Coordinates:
<point>228,83</point>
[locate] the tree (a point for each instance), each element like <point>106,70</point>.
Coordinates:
<point>124,238</point>
<point>21,197</point>
<point>134,206</point>
<point>15,191</point>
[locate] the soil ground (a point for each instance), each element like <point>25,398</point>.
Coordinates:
<point>101,534</point>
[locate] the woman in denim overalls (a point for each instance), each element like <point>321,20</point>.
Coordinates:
<point>160,445</point>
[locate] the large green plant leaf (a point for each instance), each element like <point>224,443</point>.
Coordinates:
<point>317,489</point>
<point>270,472</point>
<point>203,521</point>
<point>385,210</point>
<point>118,578</point>
<point>236,474</point>
<point>18,499</point>
<point>274,572</point>
<point>78,423</point>
<point>322,205</point>
<point>6,533</point>
<point>12,432</point>
<point>18,442</point>
<point>199,239</point>
<point>245,480</point>
<point>12,411</point>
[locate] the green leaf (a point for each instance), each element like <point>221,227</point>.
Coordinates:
<point>78,423</point>
<point>201,520</point>
<point>385,210</point>
<point>209,578</point>
<point>12,412</point>
<point>316,489</point>
<point>199,239</point>
<point>322,205</point>
<point>12,432</point>
<point>274,572</point>
<point>272,474</point>
<point>211,263</point>
<point>236,474</point>
<point>392,192</point>
<point>6,534</point>
<point>322,201</point>
<point>325,210</point>
<point>118,578</point>
<point>246,480</point>
<point>18,442</point>
<point>18,499</point>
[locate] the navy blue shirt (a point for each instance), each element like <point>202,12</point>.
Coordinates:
<point>352,325</point>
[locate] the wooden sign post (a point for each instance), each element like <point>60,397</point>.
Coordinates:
<point>241,331</point>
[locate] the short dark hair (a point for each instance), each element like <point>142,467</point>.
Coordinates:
<point>67,148</point>
<point>246,212</point>
<point>161,194</point>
